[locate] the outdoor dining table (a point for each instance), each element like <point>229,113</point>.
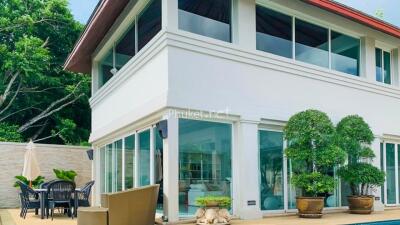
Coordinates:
<point>42,198</point>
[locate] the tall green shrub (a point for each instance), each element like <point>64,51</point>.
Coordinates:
<point>355,137</point>
<point>312,149</point>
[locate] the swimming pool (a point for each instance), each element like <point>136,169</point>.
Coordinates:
<point>389,222</point>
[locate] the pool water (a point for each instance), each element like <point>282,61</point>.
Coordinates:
<point>390,222</point>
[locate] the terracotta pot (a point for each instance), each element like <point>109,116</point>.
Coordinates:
<point>310,207</point>
<point>361,204</point>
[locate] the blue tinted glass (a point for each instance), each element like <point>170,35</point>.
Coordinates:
<point>386,67</point>
<point>345,53</point>
<point>149,23</point>
<point>271,170</point>
<point>312,44</point>
<point>144,158</point>
<point>390,174</point>
<point>211,18</point>
<point>274,32</point>
<point>204,162</point>
<point>378,63</point>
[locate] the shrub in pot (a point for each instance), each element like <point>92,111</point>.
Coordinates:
<point>355,136</point>
<point>313,151</point>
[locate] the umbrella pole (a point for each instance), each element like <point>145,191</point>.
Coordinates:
<point>30,184</point>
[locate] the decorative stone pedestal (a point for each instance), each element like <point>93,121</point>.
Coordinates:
<point>213,215</point>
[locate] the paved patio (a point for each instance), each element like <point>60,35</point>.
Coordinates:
<point>11,217</point>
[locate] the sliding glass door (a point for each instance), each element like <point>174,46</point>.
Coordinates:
<point>204,162</point>
<point>271,170</point>
<point>390,164</point>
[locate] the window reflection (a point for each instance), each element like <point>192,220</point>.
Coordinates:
<point>345,53</point>
<point>312,44</point>
<point>204,162</point>
<point>129,161</point>
<point>274,32</point>
<point>149,23</point>
<point>271,170</point>
<point>211,18</point>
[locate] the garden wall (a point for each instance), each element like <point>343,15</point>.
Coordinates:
<point>49,157</point>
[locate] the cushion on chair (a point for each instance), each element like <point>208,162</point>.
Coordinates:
<point>92,216</point>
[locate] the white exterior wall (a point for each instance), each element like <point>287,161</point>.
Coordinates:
<point>187,71</point>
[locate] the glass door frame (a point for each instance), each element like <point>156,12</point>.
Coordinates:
<point>232,151</point>
<point>396,163</point>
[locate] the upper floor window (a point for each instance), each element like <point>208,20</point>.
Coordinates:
<point>211,18</point>
<point>312,44</point>
<point>383,71</point>
<point>274,32</point>
<point>145,27</point>
<point>149,23</point>
<point>345,53</point>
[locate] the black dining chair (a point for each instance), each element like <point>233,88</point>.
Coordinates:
<point>60,194</point>
<point>46,199</point>
<point>29,199</point>
<point>84,194</point>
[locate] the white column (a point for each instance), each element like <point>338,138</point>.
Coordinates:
<point>171,170</point>
<point>367,66</point>
<point>396,67</point>
<point>170,15</point>
<point>246,200</point>
<point>96,176</point>
<point>244,23</point>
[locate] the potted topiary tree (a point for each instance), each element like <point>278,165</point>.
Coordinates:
<point>355,137</point>
<point>312,148</point>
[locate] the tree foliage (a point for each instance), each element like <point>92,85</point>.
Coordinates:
<point>355,137</point>
<point>313,150</point>
<point>36,94</point>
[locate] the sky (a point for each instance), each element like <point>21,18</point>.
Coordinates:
<point>82,9</point>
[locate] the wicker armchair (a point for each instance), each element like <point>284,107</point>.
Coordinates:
<point>29,199</point>
<point>60,194</point>
<point>84,194</point>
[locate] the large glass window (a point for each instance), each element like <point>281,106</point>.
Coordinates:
<point>129,161</point>
<point>345,53</point>
<point>271,170</point>
<point>144,158</point>
<point>390,174</point>
<point>274,32</point>
<point>109,166</point>
<point>102,169</point>
<point>158,167</point>
<point>383,66</point>
<point>149,23</point>
<point>204,162</point>
<point>147,26</point>
<point>125,48</point>
<point>312,45</point>
<point>106,66</point>
<point>211,18</point>
<point>118,165</point>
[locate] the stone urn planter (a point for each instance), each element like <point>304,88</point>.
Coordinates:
<point>310,207</point>
<point>212,215</point>
<point>213,210</point>
<point>361,204</point>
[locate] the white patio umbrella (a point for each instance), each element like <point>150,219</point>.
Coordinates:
<point>31,167</point>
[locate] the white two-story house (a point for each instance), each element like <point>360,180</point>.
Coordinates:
<point>193,95</point>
